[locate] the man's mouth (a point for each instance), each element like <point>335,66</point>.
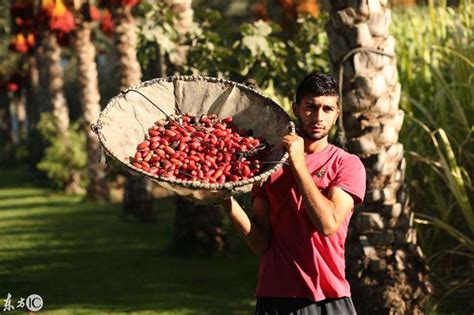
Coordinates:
<point>316,127</point>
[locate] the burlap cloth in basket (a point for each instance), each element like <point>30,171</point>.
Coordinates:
<point>125,121</point>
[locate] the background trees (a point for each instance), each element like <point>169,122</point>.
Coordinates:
<point>386,264</point>
<point>431,82</point>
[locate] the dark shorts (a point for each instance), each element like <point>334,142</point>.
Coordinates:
<point>300,306</point>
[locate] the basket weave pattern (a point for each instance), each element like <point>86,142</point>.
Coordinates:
<point>125,121</point>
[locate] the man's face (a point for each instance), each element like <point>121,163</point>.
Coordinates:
<point>316,115</point>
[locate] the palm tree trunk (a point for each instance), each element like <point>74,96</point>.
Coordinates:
<point>89,90</point>
<point>19,108</point>
<point>42,95</point>
<point>13,122</point>
<point>198,228</point>
<point>126,40</point>
<point>386,267</point>
<point>137,198</point>
<point>6,134</point>
<point>54,80</point>
<point>32,91</point>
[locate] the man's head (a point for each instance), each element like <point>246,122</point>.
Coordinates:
<point>316,105</point>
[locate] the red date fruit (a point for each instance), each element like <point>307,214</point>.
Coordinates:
<point>201,148</point>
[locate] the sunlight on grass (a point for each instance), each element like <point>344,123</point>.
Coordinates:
<point>86,258</point>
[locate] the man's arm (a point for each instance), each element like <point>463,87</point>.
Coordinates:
<point>256,230</point>
<point>326,214</point>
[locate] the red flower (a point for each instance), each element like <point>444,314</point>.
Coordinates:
<point>13,87</point>
<point>107,25</point>
<point>94,13</point>
<point>62,23</point>
<point>14,83</point>
<point>31,40</point>
<point>60,19</point>
<point>129,3</point>
<point>19,44</point>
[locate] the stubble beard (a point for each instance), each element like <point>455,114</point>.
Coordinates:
<point>308,135</point>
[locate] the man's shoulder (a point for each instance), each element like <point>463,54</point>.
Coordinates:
<point>343,156</point>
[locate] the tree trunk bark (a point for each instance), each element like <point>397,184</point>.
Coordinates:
<point>54,80</point>
<point>126,40</point>
<point>32,95</point>
<point>137,199</point>
<point>386,267</point>
<point>197,228</point>
<point>89,91</point>
<point>19,109</point>
<point>185,13</point>
<point>6,135</point>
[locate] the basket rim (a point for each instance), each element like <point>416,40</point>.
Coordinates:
<point>188,183</point>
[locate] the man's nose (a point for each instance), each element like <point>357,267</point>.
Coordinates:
<point>318,114</point>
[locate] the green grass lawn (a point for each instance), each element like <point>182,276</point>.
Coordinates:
<point>85,258</point>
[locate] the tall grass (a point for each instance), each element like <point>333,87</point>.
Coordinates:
<point>435,50</point>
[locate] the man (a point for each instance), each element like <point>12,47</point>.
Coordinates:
<point>301,213</point>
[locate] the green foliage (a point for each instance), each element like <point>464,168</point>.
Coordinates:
<point>260,56</point>
<point>307,50</point>
<point>435,51</point>
<point>8,60</point>
<point>210,53</point>
<point>260,53</point>
<point>4,17</point>
<point>65,155</point>
<point>158,37</point>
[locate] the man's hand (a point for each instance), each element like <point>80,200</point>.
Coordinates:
<point>294,144</point>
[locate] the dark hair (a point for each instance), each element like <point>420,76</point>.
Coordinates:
<point>317,84</point>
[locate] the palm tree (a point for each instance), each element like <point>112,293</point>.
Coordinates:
<point>198,228</point>
<point>137,199</point>
<point>32,91</point>
<point>90,98</point>
<point>126,40</point>
<point>51,73</point>
<point>53,79</point>
<point>18,107</point>
<point>386,267</point>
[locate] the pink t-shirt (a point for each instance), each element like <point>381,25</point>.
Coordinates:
<point>301,262</point>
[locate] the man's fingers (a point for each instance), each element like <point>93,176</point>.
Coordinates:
<point>289,137</point>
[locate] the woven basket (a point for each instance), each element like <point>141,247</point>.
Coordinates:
<point>125,121</point>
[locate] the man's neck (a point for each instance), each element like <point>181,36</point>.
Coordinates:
<point>314,146</point>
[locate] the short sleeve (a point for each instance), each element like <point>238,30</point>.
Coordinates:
<point>351,177</point>
<point>258,191</point>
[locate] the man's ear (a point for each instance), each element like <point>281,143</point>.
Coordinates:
<point>294,107</point>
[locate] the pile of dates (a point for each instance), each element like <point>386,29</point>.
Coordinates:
<point>201,148</point>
